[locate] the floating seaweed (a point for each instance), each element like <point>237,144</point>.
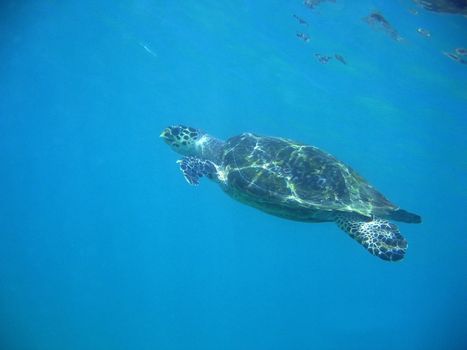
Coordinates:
<point>378,21</point>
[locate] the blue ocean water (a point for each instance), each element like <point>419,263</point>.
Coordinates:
<point>103,245</point>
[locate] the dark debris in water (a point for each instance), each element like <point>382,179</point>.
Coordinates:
<point>340,58</point>
<point>300,20</point>
<point>323,58</point>
<point>426,33</point>
<point>312,4</point>
<point>303,36</point>
<point>378,21</point>
<point>456,56</point>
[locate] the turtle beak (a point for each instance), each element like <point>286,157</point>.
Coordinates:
<point>167,136</point>
<point>164,134</point>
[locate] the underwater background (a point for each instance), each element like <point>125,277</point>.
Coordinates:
<point>103,244</point>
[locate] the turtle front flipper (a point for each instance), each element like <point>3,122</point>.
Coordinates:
<point>194,168</point>
<point>380,237</point>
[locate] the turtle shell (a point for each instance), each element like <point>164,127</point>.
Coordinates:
<point>296,181</point>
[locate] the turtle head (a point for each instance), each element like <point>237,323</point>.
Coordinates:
<point>182,139</point>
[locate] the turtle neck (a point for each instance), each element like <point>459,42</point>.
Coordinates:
<point>210,148</point>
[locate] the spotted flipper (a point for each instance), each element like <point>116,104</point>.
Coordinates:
<point>380,237</point>
<point>194,168</point>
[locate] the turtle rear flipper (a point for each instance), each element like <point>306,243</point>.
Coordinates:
<point>194,168</point>
<point>380,237</point>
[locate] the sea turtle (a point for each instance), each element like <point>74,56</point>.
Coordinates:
<point>293,181</point>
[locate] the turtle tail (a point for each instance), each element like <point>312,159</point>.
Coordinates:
<point>405,216</point>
